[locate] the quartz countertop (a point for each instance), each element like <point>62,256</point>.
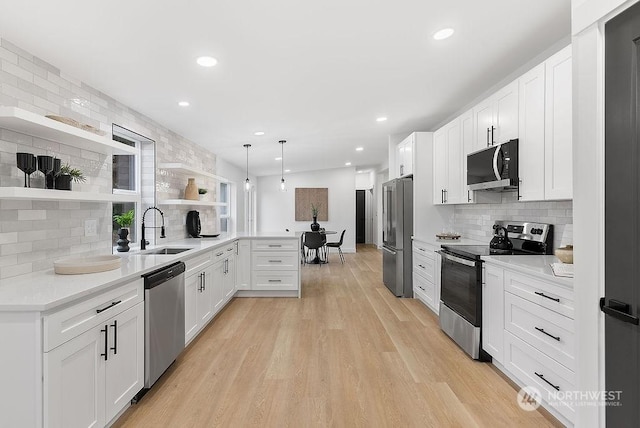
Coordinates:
<point>539,266</point>
<point>460,241</point>
<point>45,290</point>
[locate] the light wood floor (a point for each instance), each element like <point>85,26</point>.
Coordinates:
<point>348,354</point>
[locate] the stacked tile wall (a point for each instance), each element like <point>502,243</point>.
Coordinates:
<point>35,233</point>
<point>475,221</point>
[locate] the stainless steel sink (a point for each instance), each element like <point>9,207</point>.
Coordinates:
<point>166,251</point>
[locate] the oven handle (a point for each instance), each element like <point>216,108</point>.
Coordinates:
<point>457,259</point>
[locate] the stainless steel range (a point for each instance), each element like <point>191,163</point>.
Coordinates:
<point>461,279</point>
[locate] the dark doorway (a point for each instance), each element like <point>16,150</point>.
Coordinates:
<point>360,217</point>
<point>622,218</point>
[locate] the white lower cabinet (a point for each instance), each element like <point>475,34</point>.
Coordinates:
<point>198,295</point>
<point>89,379</point>
<point>275,265</point>
<point>492,312</point>
<point>528,328</point>
<point>229,282</point>
<point>243,265</point>
<point>426,265</point>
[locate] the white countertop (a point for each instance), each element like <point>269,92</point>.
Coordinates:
<point>539,266</point>
<point>439,242</point>
<point>45,290</point>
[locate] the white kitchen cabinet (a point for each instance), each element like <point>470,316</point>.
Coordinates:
<point>243,265</point>
<point>531,150</point>
<point>424,275</point>
<point>448,165</point>
<point>496,118</point>
<point>558,127</point>
<point>493,312</point>
<point>89,379</point>
<point>467,137</point>
<point>275,265</point>
<point>229,284</point>
<point>404,156</point>
<point>198,306</point>
<point>206,291</point>
<point>217,273</point>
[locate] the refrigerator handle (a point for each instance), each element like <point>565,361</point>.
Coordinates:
<point>389,251</point>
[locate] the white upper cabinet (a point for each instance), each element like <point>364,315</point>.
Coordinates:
<point>496,118</point>
<point>558,132</point>
<point>545,162</point>
<point>404,157</point>
<point>531,142</point>
<point>467,137</point>
<point>447,165</point>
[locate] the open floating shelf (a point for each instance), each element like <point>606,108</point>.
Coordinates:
<point>26,122</point>
<point>192,203</point>
<point>33,194</point>
<point>185,169</point>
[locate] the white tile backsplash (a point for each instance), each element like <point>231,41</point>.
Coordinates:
<point>475,221</point>
<point>47,231</point>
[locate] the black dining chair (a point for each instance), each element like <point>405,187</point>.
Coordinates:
<point>315,241</point>
<point>337,245</point>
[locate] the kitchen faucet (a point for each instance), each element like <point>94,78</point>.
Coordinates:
<point>143,241</point>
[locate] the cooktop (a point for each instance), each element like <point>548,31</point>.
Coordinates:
<point>477,251</point>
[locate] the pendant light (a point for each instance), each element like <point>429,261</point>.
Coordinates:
<point>247,182</point>
<point>282,185</point>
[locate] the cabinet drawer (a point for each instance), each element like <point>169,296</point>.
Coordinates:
<point>67,323</point>
<point>264,280</point>
<point>424,290</point>
<point>545,330</point>
<point>424,266</point>
<point>274,260</point>
<point>533,368</point>
<point>552,296</point>
<point>225,251</point>
<point>196,264</point>
<point>424,250</point>
<point>276,244</point>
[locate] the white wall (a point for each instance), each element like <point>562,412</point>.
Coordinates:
<point>276,209</point>
<point>364,181</point>
<point>381,177</point>
<point>237,177</point>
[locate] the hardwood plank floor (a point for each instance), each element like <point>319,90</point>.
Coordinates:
<point>348,354</point>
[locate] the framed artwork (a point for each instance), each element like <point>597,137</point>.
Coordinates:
<point>306,196</point>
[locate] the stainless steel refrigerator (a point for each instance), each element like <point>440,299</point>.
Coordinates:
<point>397,228</point>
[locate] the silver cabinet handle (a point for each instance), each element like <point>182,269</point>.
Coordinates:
<point>275,280</point>
<point>275,261</point>
<point>219,254</point>
<point>275,245</point>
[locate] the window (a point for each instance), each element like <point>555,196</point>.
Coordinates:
<point>224,210</point>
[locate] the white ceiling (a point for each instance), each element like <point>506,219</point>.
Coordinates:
<point>317,74</point>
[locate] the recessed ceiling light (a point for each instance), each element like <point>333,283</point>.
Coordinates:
<point>207,61</point>
<point>381,119</point>
<point>347,164</point>
<point>359,149</point>
<point>258,133</point>
<point>278,158</point>
<point>287,170</point>
<point>443,34</point>
<point>183,103</point>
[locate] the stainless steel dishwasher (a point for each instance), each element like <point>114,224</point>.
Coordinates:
<point>163,321</point>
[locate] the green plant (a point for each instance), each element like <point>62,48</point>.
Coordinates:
<point>76,175</point>
<point>314,210</point>
<point>124,219</point>
<point>202,191</point>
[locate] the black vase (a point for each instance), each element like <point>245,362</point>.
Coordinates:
<point>123,242</point>
<point>63,182</point>
<point>315,226</point>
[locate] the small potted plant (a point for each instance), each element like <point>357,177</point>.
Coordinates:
<point>67,175</point>
<point>202,192</point>
<point>314,213</point>
<point>124,220</point>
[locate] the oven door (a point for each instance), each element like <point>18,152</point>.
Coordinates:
<point>461,286</point>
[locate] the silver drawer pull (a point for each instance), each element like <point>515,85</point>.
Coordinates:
<point>541,330</point>
<point>229,249</point>
<point>275,280</point>
<point>541,376</point>
<point>422,266</point>
<point>421,249</point>
<point>275,261</point>
<point>275,245</point>
<point>219,254</point>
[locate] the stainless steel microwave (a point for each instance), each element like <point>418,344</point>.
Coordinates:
<point>494,168</point>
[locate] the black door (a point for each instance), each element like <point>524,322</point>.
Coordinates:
<point>360,217</point>
<point>622,217</point>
